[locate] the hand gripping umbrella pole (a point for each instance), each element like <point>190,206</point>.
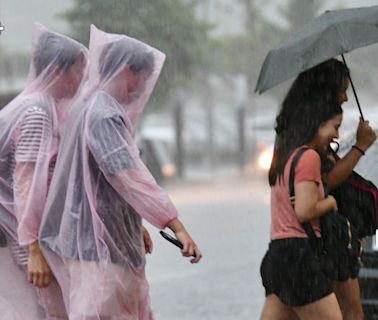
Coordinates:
<point>354,90</point>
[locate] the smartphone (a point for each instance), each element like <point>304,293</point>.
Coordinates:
<point>168,237</point>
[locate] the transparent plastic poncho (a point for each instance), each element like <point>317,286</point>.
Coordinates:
<point>30,128</point>
<point>101,190</point>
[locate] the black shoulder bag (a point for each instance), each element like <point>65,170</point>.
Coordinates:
<point>337,232</point>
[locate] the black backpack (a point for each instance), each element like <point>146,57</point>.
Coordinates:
<point>357,199</point>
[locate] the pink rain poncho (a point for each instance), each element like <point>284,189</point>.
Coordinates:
<point>101,190</point>
<point>29,137</point>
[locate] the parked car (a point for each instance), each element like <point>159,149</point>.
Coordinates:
<point>157,152</point>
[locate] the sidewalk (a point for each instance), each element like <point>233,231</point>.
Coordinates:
<point>222,184</point>
<point>227,213</point>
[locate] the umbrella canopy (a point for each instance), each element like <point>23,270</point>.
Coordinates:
<point>331,34</point>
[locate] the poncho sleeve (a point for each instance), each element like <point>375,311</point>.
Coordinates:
<point>33,146</point>
<point>118,158</point>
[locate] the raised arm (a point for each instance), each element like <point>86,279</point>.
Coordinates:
<point>365,137</point>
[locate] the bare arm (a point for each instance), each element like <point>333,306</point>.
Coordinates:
<point>190,248</point>
<point>365,137</point>
<point>307,206</point>
<point>39,273</point>
<point>30,188</point>
<point>343,168</point>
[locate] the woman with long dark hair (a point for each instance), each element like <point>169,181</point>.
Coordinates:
<point>315,94</point>
<point>310,117</point>
<point>345,262</point>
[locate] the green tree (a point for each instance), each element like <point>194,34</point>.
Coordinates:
<point>245,53</point>
<point>169,25</point>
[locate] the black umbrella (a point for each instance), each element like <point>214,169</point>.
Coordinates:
<point>331,34</point>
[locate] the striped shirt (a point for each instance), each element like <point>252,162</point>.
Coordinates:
<point>30,131</point>
<point>20,254</point>
<point>26,148</point>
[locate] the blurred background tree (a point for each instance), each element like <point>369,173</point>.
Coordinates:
<point>13,66</point>
<point>168,25</point>
<point>244,53</point>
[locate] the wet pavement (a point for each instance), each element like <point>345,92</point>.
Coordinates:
<point>228,216</point>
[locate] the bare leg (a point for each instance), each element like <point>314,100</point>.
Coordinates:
<point>274,309</point>
<point>348,296</point>
<point>326,308</point>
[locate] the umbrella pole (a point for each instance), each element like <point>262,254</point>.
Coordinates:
<point>354,90</point>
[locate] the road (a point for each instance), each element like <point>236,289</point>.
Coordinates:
<point>229,217</point>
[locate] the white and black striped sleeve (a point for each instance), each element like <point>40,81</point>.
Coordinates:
<point>32,130</point>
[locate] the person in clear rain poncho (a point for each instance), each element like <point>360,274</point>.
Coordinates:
<point>92,230</point>
<point>29,137</point>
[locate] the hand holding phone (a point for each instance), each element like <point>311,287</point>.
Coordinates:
<point>168,237</point>
<point>179,244</point>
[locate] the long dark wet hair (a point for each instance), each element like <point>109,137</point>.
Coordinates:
<point>312,99</point>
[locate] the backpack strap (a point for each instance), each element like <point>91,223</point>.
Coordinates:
<point>306,225</point>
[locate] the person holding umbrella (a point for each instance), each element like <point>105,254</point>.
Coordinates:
<point>331,34</point>
<point>292,275</point>
<point>346,262</point>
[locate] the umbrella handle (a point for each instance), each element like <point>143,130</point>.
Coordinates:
<point>354,90</point>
